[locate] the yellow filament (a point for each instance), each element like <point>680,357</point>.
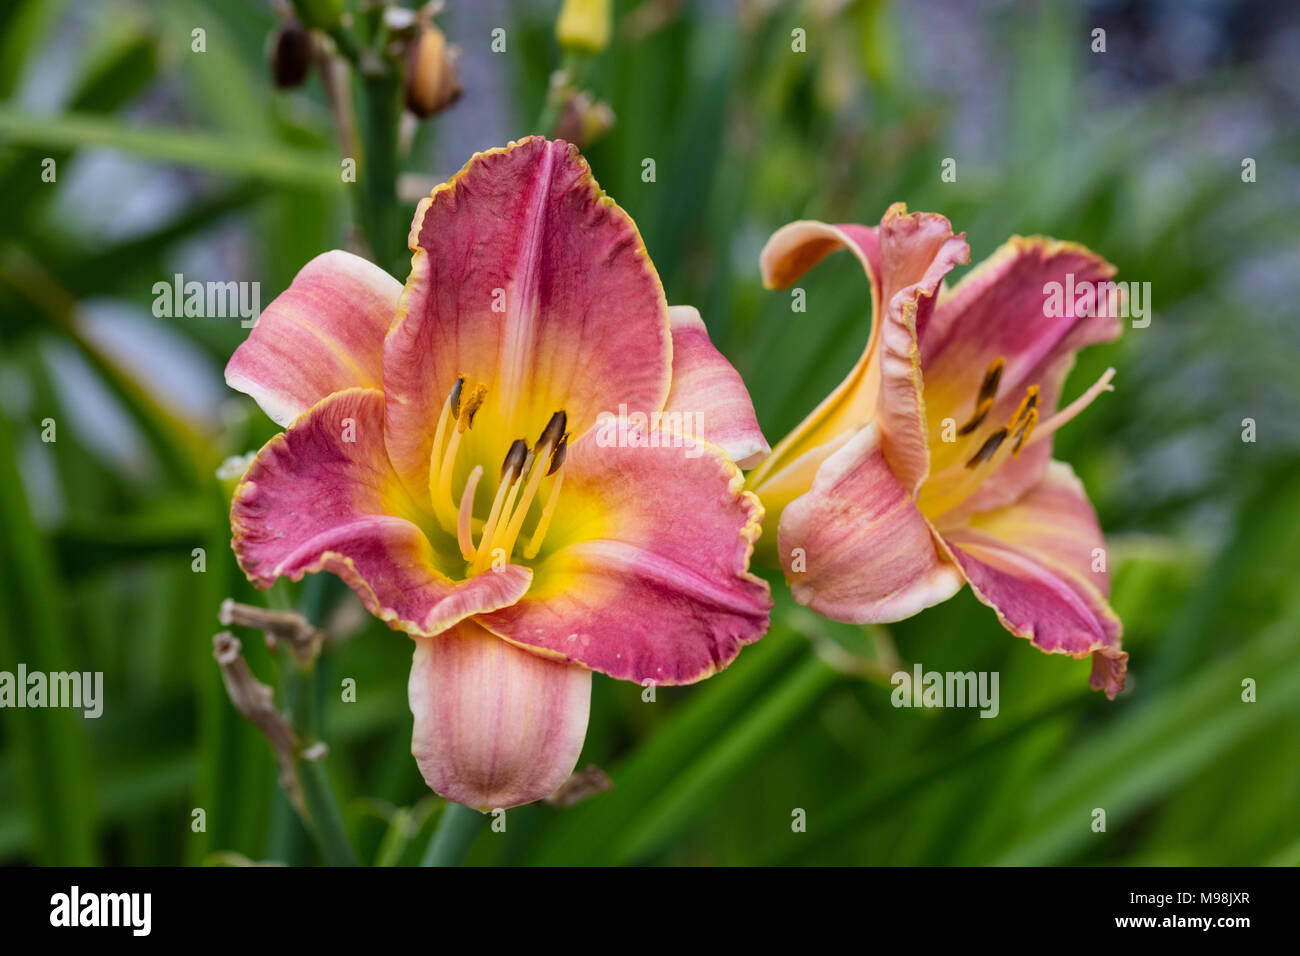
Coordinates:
<point>443,504</point>
<point>507,511</point>
<point>521,512</point>
<point>543,523</point>
<point>435,459</point>
<point>464,527</point>
<point>485,540</point>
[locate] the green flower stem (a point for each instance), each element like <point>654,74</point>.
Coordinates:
<point>301,695</point>
<point>326,819</point>
<point>395,838</point>
<point>348,47</point>
<point>574,68</point>
<point>381,110</point>
<point>456,830</point>
<point>304,690</point>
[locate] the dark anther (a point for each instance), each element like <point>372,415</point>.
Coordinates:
<point>455,396</point>
<point>988,449</point>
<point>554,429</point>
<point>514,463</point>
<point>557,456</point>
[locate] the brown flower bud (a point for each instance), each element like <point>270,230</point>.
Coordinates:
<point>290,54</point>
<point>431,81</point>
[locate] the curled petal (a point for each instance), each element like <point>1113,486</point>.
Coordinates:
<point>323,334</point>
<point>495,726</point>
<point>1041,564</point>
<point>855,548</point>
<point>793,250</point>
<point>526,278</point>
<point>798,246</point>
<point>1109,668</point>
<point>905,260</point>
<point>710,391</point>
<point>323,496</point>
<point>645,573</point>
<point>916,251</point>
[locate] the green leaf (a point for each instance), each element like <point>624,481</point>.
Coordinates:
<point>266,162</point>
<point>55,777</point>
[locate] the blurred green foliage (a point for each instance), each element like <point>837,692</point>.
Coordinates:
<point>95,567</point>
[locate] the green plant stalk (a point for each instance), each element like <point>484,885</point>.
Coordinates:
<point>395,839</point>
<point>326,819</point>
<point>451,840</point>
<point>302,695</point>
<point>289,837</point>
<point>574,68</point>
<point>381,111</point>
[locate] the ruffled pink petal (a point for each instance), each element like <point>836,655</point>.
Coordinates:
<point>313,500</point>
<point>527,278</point>
<point>645,573</point>
<point>916,251</point>
<point>855,548</point>
<point>323,334</point>
<point>709,390</point>
<point>998,311</point>
<point>495,726</point>
<point>1033,562</point>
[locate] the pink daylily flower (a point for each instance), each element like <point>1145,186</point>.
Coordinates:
<point>441,457</point>
<point>930,466</point>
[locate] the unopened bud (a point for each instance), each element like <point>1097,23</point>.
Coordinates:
<point>231,471</point>
<point>290,54</point>
<point>583,25</point>
<point>582,122</point>
<point>431,80</point>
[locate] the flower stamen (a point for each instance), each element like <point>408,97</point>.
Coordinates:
<point>464,521</point>
<point>511,469</point>
<point>450,412</point>
<point>988,449</point>
<point>987,393</point>
<point>1024,431</point>
<point>461,409</point>
<point>552,499</point>
<point>1019,425</point>
<point>548,445</point>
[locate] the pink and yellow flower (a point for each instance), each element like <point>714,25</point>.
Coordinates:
<point>930,466</point>
<point>440,456</point>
